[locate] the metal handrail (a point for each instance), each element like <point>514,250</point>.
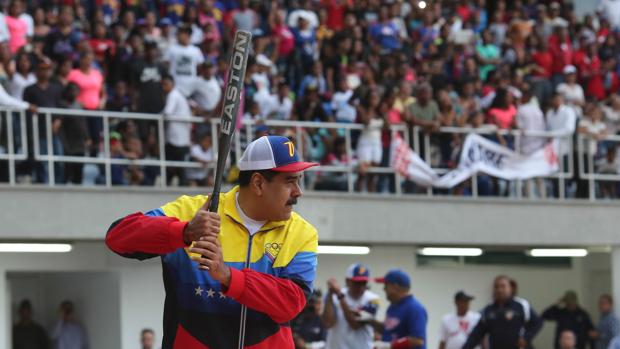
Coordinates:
<point>12,154</point>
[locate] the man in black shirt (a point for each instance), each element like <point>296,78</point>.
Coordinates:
<point>44,94</point>
<point>27,334</point>
<point>570,316</point>
<point>510,322</point>
<point>145,82</point>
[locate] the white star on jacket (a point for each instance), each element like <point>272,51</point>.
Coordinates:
<point>198,291</point>
<point>210,293</point>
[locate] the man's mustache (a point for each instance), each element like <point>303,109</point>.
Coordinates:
<point>292,202</point>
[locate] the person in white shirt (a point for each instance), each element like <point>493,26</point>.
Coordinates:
<point>348,311</point>
<point>531,118</point>
<point>23,77</point>
<point>207,91</point>
<point>183,60</point>
<point>178,133</point>
<point>280,105</point>
<point>561,119</point>
<point>305,12</point>
<point>201,152</point>
<point>343,110</point>
<point>571,91</point>
<point>456,327</point>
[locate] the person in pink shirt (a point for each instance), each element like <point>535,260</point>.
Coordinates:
<point>18,27</point>
<point>90,81</point>
<point>502,113</point>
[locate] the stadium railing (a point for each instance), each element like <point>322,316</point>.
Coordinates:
<point>15,148</point>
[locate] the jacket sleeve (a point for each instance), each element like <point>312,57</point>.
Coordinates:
<point>281,299</point>
<point>478,333</point>
<point>142,236</point>
<point>551,313</point>
<point>533,326</point>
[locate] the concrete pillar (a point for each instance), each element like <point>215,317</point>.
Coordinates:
<point>615,277</point>
<point>5,311</point>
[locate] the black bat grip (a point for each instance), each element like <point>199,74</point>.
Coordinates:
<point>215,200</point>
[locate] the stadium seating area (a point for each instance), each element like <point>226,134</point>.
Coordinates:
<point>493,66</point>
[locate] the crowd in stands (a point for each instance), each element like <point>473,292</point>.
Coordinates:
<point>494,65</point>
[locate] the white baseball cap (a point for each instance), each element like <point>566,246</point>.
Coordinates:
<point>275,153</point>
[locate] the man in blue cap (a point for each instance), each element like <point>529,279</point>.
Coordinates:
<point>349,312</point>
<point>406,318</point>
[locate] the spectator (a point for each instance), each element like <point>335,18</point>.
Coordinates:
<point>369,147</point>
<point>92,92</point>
<point>183,60</point>
<point>594,130</point>
<point>503,114</point>
<point>146,83</point>
<point>571,91</point>
<point>68,333</point>
<point>488,54</point>
<point>119,101</point>
<point>102,46</point>
<point>75,137</point>
<point>28,334</point>
<point>570,316</point>
<point>307,326</point>
<point>562,120</point>
<point>202,152</point>
<point>178,131</point>
<point>315,78</point>
<point>608,165</point>
<point>336,156</point>
<point>280,105</point>
<point>45,94</point>
<point>508,322</point>
<point>531,119</point>
<point>608,325</point>
<point>345,308</point>
<point>341,106</point>
<point>456,327</point>
<point>561,50</point>
<point>406,318</point>
<point>22,77</point>
<point>207,91</point>
<point>385,32</point>
<point>567,340</point>
<point>147,339</point>
<point>63,39</point>
<point>20,25</point>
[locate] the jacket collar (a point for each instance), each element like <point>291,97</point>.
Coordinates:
<point>229,205</point>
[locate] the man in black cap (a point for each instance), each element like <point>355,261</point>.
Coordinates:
<point>570,316</point>
<point>456,327</point>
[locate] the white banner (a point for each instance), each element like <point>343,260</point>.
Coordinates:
<point>478,155</point>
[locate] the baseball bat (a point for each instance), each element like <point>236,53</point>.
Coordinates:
<point>230,108</point>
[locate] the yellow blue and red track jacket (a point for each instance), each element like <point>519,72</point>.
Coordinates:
<point>271,275</point>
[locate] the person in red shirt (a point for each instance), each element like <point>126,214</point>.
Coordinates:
<point>604,83</point>
<point>335,13</point>
<point>587,61</point>
<point>101,45</point>
<point>562,52</point>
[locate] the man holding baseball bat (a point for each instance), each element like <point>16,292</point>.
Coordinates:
<point>256,258</point>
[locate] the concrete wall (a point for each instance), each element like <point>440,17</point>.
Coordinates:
<point>85,214</point>
<point>140,291</point>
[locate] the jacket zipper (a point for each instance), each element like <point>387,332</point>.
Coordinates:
<point>244,309</point>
